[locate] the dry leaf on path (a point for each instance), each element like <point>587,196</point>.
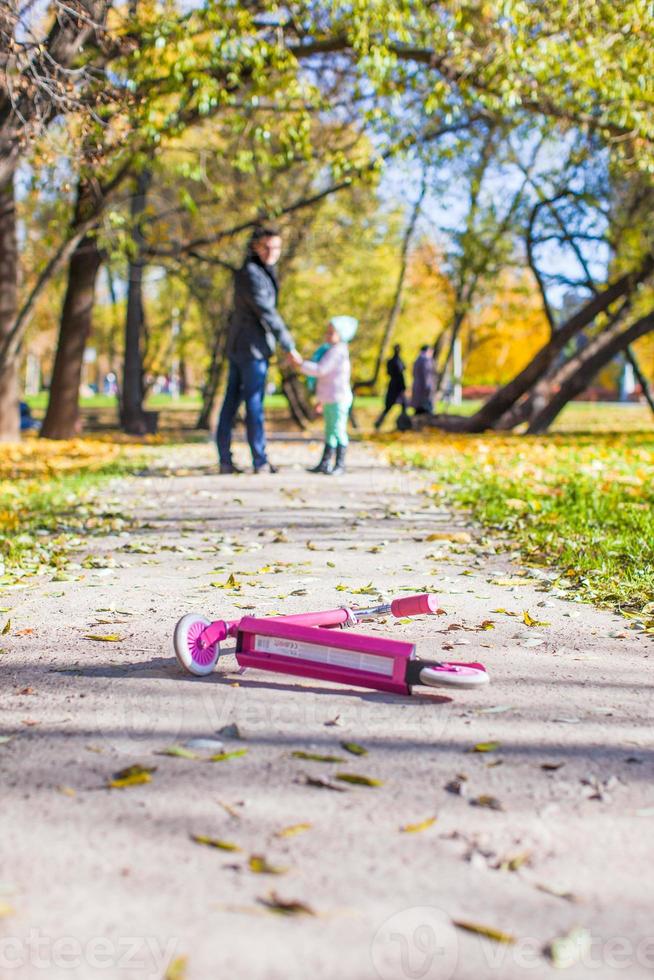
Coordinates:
<point>490,802</point>
<point>356,780</point>
<point>176,969</point>
<point>484,747</point>
<point>296,828</point>
<point>459,537</point>
<point>354,748</point>
<point>513,862</point>
<point>178,752</point>
<point>563,893</point>
<point>497,935</point>
<point>320,783</point>
<point>104,637</point>
<point>528,621</point>
<point>131,776</point>
<point>260,866</point>
<point>224,756</point>
<point>283,906</point>
<point>315,757</point>
<point>220,845</point>
<point>416,828</point>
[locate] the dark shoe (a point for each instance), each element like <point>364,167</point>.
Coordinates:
<point>325,464</point>
<point>265,468</point>
<point>339,466</point>
<point>227,468</point>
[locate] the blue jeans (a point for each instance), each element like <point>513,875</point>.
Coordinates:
<point>246,382</point>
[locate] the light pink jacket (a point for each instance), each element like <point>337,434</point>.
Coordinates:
<point>333,374</point>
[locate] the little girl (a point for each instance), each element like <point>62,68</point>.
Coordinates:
<point>333,390</point>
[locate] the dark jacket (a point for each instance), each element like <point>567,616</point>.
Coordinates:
<point>255,326</point>
<point>395,371</point>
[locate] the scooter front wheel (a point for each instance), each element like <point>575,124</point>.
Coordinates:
<point>453,675</point>
<point>191,655</point>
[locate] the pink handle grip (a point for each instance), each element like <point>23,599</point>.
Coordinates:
<point>415,605</point>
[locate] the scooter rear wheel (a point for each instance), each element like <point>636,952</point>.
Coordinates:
<point>451,675</point>
<point>194,658</point>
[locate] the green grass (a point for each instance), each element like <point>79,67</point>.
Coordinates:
<point>49,502</point>
<point>583,504</point>
<point>39,402</point>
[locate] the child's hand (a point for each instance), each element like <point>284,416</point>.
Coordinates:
<point>295,357</point>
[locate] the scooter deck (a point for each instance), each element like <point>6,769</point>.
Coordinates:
<point>308,651</point>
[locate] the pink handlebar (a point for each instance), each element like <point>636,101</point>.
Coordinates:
<point>415,605</point>
<point>329,617</point>
<point>411,605</point>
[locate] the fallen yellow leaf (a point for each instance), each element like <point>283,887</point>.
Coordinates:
<point>132,776</point>
<point>459,537</point>
<point>176,969</point>
<point>415,828</point>
<point>221,845</point>
<point>296,828</point>
<point>261,866</point>
<point>488,931</point>
<point>528,621</point>
<point>485,747</point>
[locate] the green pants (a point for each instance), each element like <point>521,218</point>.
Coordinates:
<point>336,416</point>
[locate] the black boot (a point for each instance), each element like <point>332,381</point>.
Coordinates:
<point>325,464</point>
<point>339,466</point>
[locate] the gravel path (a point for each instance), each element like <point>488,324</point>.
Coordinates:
<point>549,831</point>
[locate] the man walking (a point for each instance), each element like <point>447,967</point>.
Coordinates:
<point>424,382</point>
<point>255,327</point>
<point>396,391</point>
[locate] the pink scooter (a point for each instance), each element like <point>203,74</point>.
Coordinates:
<point>302,646</point>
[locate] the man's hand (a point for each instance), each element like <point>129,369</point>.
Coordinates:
<point>295,358</point>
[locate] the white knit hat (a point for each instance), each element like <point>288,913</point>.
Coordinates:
<point>346,327</point>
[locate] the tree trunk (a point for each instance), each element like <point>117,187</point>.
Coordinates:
<point>132,415</point>
<point>9,412</point>
<point>441,375</point>
<point>648,393</point>
<point>183,376</point>
<point>62,416</point>
<point>579,371</point>
<point>508,395</point>
<point>214,374</point>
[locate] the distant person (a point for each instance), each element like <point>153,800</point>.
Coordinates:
<point>333,390</point>
<point>27,421</point>
<point>396,391</point>
<point>424,382</point>
<point>255,327</point>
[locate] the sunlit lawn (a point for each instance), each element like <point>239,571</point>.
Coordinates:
<point>582,503</point>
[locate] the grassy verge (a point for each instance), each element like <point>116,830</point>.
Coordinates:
<point>583,504</point>
<point>47,499</point>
